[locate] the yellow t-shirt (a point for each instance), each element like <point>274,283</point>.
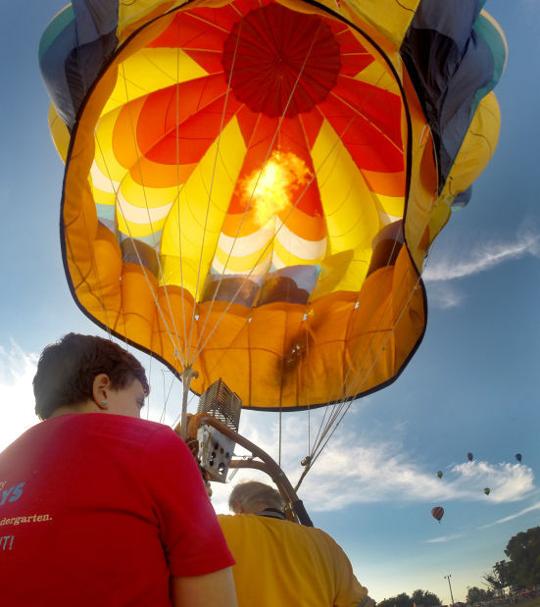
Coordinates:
<point>282,564</point>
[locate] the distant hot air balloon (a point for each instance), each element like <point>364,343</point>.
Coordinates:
<point>437,513</point>
<point>487,490</point>
<point>439,473</point>
<point>519,457</point>
<point>470,456</point>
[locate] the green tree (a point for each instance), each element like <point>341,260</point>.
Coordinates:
<point>478,595</point>
<point>523,550</point>
<point>505,572</point>
<point>501,576</point>
<point>401,600</point>
<point>425,598</point>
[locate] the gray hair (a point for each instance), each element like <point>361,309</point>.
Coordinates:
<point>252,497</point>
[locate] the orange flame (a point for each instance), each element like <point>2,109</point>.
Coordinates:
<point>271,188</point>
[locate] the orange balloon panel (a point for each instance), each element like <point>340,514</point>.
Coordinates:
<point>235,201</point>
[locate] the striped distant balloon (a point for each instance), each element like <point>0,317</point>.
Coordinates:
<point>437,513</point>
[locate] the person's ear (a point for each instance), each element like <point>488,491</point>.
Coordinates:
<point>100,390</point>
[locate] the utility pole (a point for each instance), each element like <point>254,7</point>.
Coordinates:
<point>447,577</point>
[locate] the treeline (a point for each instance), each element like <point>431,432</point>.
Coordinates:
<point>418,597</point>
<point>520,571</point>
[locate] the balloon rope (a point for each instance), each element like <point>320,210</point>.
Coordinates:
<point>358,113</point>
<point>282,377</point>
<point>100,283</point>
<point>229,305</point>
<point>327,411</point>
<point>150,357</point>
<point>163,415</point>
<point>246,321</point>
<point>158,256</point>
<point>309,430</point>
<point>210,192</point>
<point>84,279</point>
<point>254,189</point>
<point>93,260</point>
<point>177,144</point>
<point>330,153</point>
<point>372,124</point>
<point>266,248</point>
<point>337,409</point>
<point>346,404</point>
<point>341,409</point>
<point>280,436</point>
<point>142,266</point>
<point>333,409</point>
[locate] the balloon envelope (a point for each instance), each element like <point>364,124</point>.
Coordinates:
<point>470,456</point>
<point>519,457</point>
<point>439,474</point>
<point>251,187</point>
<point>437,512</point>
<point>487,490</point>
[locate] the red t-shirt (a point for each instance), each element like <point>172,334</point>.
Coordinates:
<point>100,510</point>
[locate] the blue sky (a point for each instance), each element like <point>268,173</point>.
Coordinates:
<point>472,386</point>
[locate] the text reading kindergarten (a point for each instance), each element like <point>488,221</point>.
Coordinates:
<point>9,494</point>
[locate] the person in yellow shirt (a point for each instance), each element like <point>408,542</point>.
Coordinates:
<point>280,563</point>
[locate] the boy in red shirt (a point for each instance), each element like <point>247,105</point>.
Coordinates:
<point>104,510</point>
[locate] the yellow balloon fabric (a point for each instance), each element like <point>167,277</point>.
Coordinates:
<point>251,189</point>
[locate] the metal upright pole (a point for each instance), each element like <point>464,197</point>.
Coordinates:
<point>187,376</point>
<point>450,586</point>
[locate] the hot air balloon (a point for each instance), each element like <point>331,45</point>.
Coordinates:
<point>439,473</point>
<point>487,490</point>
<point>437,513</point>
<point>470,456</point>
<point>519,457</point>
<point>251,187</point>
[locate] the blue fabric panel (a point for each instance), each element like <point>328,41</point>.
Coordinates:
<point>462,200</point>
<point>293,284</point>
<point>139,253</point>
<point>485,30</point>
<point>95,18</point>
<point>452,19</point>
<point>449,64</point>
<point>52,63</point>
<point>72,62</point>
<point>83,65</point>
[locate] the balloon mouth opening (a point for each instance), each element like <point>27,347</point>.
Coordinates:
<point>280,62</point>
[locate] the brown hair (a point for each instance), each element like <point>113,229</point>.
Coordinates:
<point>66,371</point>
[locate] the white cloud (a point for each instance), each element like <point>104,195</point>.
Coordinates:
<point>354,470</point>
<point>511,517</point>
<point>443,295</point>
<point>482,257</point>
<point>17,370</point>
<point>372,473</point>
<point>444,538</point>
<point>508,482</point>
